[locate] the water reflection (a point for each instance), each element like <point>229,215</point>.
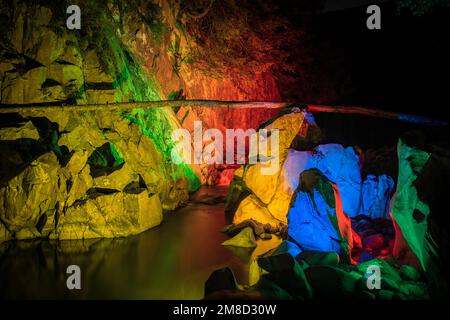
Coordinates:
<point>171,261</point>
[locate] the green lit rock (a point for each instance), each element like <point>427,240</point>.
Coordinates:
<point>286,273</point>
<point>406,201</point>
<point>409,273</point>
<point>419,210</point>
<point>314,258</point>
<point>385,295</point>
<point>386,269</point>
<point>269,289</point>
<point>103,161</point>
<point>331,282</point>
<point>414,290</point>
<point>365,295</point>
<point>245,239</point>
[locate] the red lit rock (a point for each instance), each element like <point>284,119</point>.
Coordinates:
<point>375,241</point>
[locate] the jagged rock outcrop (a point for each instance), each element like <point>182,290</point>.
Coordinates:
<point>418,209</point>
<point>316,220</point>
<point>76,174</point>
<point>286,277</point>
<point>376,193</point>
<point>84,177</point>
<point>264,187</point>
<point>270,195</point>
<point>29,200</point>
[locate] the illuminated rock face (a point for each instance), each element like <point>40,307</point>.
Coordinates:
<point>74,175</point>
<point>264,187</point>
<point>406,204</point>
<point>79,181</point>
<point>316,220</point>
<point>376,191</point>
<point>419,209</point>
<point>338,164</point>
<point>30,198</point>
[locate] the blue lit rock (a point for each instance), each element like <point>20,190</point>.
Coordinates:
<point>315,220</point>
<point>376,192</point>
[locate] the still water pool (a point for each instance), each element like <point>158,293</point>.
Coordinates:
<point>171,261</point>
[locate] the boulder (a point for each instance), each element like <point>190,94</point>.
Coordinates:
<point>26,131</point>
<point>418,209</point>
<point>296,162</point>
<point>219,280</point>
<point>30,194</point>
<point>264,185</point>
<point>108,214</point>
<point>376,194</point>
<point>331,283</point>
<point>252,208</point>
<point>407,207</point>
<point>286,273</point>
<point>260,188</point>
<point>4,233</point>
<point>316,221</point>
<point>245,239</point>
<point>387,270</point>
<point>314,258</point>
<point>288,247</point>
<point>375,241</point>
<point>340,165</point>
<point>409,273</point>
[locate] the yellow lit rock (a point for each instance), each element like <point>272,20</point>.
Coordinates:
<point>118,179</point>
<point>31,193</point>
<point>27,131</point>
<point>263,247</point>
<point>252,208</point>
<point>244,239</point>
<point>271,193</point>
<point>25,88</point>
<point>239,172</point>
<point>109,215</point>
<point>27,233</point>
<point>264,186</point>
<point>85,136</point>
<point>4,233</point>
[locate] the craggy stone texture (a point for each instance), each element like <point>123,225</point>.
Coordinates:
<point>316,220</point>
<point>313,275</point>
<point>139,50</point>
<point>78,180</point>
<point>270,195</point>
<point>245,239</point>
<point>419,209</point>
<point>262,203</point>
